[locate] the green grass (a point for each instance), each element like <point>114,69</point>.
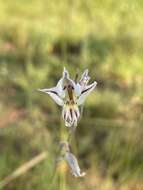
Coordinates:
<point>38,38</point>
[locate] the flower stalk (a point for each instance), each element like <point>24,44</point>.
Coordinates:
<point>70,95</point>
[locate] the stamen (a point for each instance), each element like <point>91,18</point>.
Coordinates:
<point>64,87</point>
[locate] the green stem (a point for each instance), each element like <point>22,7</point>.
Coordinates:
<point>62,174</point>
<point>62,179</point>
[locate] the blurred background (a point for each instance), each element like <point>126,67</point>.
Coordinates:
<point>37,39</point>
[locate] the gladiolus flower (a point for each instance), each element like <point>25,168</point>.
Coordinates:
<point>70,95</point>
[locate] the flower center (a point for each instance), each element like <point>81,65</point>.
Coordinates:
<point>70,97</point>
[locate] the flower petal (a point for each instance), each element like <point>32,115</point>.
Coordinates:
<point>54,95</point>
<point>87,90</point>
<point>77,89</point>
<point>73,163</point>
<point>59,88</point>
<point>66,83</point>
<point>84,78</point>
<point>70,114</point>
<point>67,117</point>
<point>82,83</point>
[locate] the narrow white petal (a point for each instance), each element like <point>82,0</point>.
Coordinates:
<point>77,89</point>
<point>84,78</point>
<point>73,163</point>
<point>66,116</point>
<point>74,115</point>
<point>54,95</point>
<point>75,119</point>
<point>64,111</point>
<point>77,112</point>
<point>59,89</point>
<point>87,90</point>
<point>85,73</point>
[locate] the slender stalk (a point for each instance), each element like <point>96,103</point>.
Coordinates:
<point>62,179</point>
<point>62,172</point>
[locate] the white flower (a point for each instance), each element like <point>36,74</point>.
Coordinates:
<point>71,159</point>
<point>73,163</point>
<point>70,95</point>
